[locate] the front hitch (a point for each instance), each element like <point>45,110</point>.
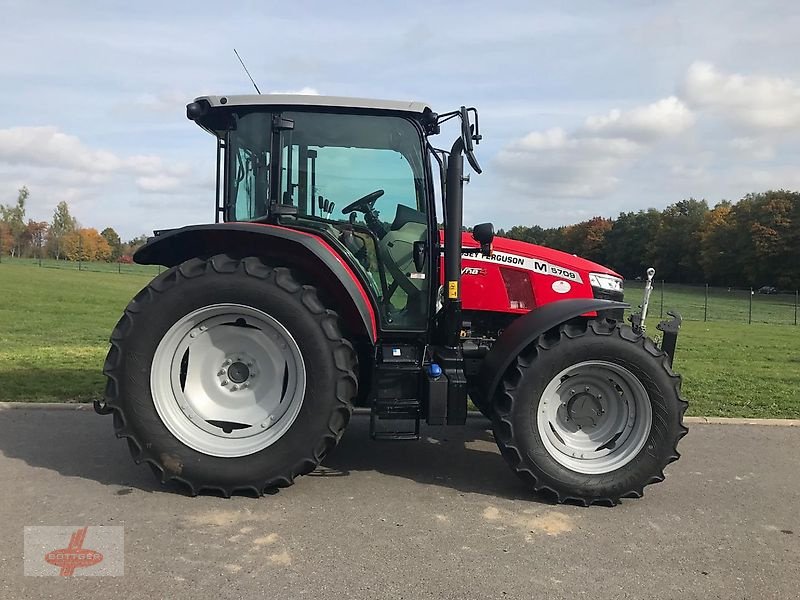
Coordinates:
<point>670,328</point>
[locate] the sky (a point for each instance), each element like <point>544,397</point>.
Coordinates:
<point>586,108</point>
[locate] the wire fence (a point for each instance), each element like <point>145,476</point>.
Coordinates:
<point>119,267</point>
<point>693,302</point>
<point>709,303</point>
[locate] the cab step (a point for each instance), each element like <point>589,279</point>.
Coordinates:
<point>395,419</point>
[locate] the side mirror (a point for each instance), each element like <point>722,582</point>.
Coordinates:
<point>470,133</point>
<point>484,235</point>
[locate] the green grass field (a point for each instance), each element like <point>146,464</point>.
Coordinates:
<point>724,304</point>
<point>55,322</point>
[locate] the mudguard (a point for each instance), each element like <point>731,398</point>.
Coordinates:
<point>296,248</point>
<point>524,330</point>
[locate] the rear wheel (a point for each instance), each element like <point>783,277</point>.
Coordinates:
<point>228,375</point>
<point>590,412</point>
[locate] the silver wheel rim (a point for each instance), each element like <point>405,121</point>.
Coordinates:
<point>594,417</point>
<point>228,380</point>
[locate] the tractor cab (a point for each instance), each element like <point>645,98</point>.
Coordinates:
<point>355,172</point>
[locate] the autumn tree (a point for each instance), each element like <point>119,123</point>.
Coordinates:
<point>85,245</point>
<point>63,224</point>
<point>718,256</point>
<point>33,239</point>
<point>13,216</point>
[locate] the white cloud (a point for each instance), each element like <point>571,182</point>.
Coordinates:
<point>667,117</point>
<point>158,183</point>
<point>587,162</point>
<point>95,182</point>
<point>50,148</point>
<point>171,101</point>
<point>756,149</point>
<point>755,101</point>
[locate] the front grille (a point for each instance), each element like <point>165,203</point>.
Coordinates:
<point>618,314</point>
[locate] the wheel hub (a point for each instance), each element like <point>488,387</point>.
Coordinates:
<point>584,410</point>
<point>238,372</point>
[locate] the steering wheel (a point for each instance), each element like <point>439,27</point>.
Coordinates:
<point>363,204</point>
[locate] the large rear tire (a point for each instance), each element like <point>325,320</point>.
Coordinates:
<point>591,412</point>
<point>229,375</point>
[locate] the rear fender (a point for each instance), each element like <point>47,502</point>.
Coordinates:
<point>303,251</point>
<point>524,330</point>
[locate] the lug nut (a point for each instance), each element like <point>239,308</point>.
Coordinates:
<point>221,372</point>
<point>224,382</point>
<point>234,387</point>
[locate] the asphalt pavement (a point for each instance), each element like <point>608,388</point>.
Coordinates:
<point>439,518</point>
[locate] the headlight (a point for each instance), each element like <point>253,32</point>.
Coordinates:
<point>606,282</point>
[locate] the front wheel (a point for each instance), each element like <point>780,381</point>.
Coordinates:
<point>590,412</point>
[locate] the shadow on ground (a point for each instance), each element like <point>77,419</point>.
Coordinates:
<point>462,458</point>
<point>79,443</point>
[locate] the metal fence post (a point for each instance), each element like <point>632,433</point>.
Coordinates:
<point>705,306</point>
<point>796,295</point>
<point>750,312</point>
<point>661,315</point>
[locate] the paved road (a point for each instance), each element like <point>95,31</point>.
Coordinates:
<point>439,518</point>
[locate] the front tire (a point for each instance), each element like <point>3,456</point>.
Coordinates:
<point>229,375</point>
<point>590,412</point>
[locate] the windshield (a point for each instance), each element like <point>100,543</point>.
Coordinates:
<point>359,179</point>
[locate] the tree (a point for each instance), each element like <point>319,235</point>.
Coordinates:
<point>766,238</point>
<point>677,244</point>
<point>34,237</point>
<point>63,224</point>
<point>131,246</point>
<point>85,245</point>
<point>112,237</point>
<point>13,216</point>
<point>630,244</point>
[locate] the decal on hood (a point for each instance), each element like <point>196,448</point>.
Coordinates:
<point>531,264</point>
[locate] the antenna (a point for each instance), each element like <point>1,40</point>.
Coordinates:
<point>246,71</point>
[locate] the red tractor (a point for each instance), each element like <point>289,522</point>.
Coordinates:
<point>325,283</point>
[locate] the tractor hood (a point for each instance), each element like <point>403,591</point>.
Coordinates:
<point>558,257</point>
<point>562,259</point>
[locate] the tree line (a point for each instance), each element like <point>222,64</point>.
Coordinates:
<point>63,238</point>
<point>752,242</point>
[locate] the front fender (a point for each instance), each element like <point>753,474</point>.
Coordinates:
<point>304,251</point>
<point>524,330</point>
